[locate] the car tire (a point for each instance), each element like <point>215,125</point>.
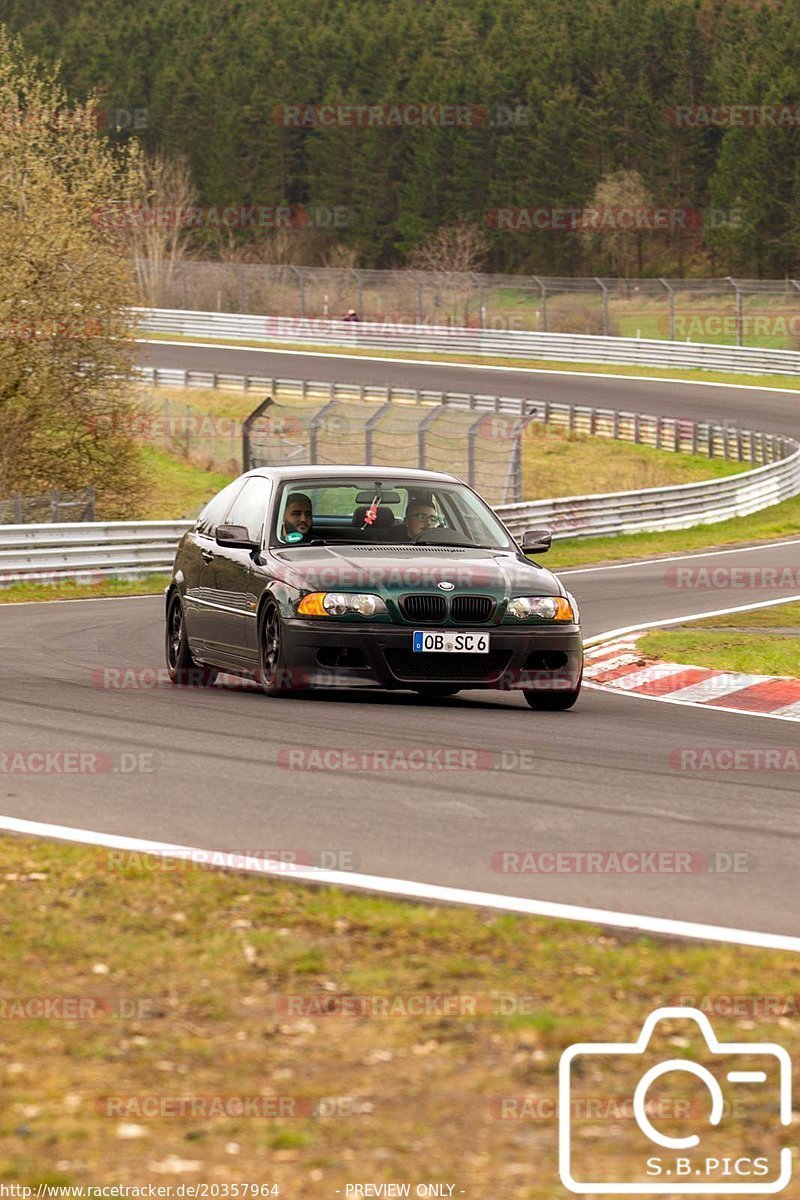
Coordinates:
<point>437,689</point>
<point>556,701</point>
<point>181,667</point>
<point>272,673</point>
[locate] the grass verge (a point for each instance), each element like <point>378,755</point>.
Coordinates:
<point>201,986</point>
<point>790,382</point>
<point>72,590</point>
<point>176,489</point>
<point>770,524</point>
<point>761,642</point>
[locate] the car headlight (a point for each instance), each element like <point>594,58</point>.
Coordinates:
<point>542,608</point>
<point>341,604</point>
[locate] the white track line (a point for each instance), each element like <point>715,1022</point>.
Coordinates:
<point>597,638</point>
<point>413,890</point>
<point>752,547</point>
<point>467,366</point>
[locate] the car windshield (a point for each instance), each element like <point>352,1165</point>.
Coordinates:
<point>389,512</point>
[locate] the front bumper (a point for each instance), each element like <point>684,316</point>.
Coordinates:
<point>322,653</point>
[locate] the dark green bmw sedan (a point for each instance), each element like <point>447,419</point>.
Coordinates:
<point>309,577</point>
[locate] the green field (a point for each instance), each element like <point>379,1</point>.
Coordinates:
<point>765,641</point>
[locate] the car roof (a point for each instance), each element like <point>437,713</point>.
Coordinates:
<point>357,472</point>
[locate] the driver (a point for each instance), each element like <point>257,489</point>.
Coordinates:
<point>421,514</point>
<point>298,516</point>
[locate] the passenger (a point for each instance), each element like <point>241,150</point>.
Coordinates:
<point>298,516</point>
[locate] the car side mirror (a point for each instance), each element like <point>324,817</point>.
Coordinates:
<point>537,541</point>
<point>237,537</point>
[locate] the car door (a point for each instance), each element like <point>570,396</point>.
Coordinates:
<point>231,598</point>
<point>197,563</point>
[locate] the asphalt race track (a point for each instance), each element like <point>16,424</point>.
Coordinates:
<point>596,778</point>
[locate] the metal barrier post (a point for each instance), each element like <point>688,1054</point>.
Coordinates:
<point>249,421</point>
<point>671,294</point>
<point>472,434</point>
<point>600,284</point>
<point>369,429</point>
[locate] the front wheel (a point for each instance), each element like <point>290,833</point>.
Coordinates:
<point>181,667</point>
<point>556,701</point>
<point>272,674</point>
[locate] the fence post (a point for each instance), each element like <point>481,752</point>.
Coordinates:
<point>368,431</point>
<point>17,499</point>
<point>90,499</point>
<point>247,462</point>
<point>300,288</point>
<point>600,284</point>
<point>55,506</point>
<point>543,290</point>
<point>739,314</point>
<point>671,294</point>
<point>313,430</point>
<point>472,434</point>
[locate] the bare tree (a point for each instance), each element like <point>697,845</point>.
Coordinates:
<point>451,249</point>
<point>156,230</point>
<point>445,259</point>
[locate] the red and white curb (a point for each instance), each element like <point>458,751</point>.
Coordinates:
<point>618,666</point>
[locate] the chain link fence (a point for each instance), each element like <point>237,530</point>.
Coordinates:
<point>53,507</point>
<point>742,312</point>
<point>479,437</point>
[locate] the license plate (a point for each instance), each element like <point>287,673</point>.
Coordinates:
<point>450,642</point>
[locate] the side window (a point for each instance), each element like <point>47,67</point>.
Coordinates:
<point>215,510</point>
<point>250,507</point>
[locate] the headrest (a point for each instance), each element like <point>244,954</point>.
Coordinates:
<point>384,518</point>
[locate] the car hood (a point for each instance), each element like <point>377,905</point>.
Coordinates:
<point>396,570</point>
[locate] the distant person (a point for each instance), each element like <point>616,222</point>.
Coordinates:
<point>351,315</point>
<point>298,516</point>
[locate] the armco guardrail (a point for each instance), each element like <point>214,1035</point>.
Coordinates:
<point>87,549</point>
<point>69,551</point>
<point>451,340</point>
<point>655,509</point>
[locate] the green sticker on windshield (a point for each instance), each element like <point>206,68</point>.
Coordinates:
<point>294,536</point>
